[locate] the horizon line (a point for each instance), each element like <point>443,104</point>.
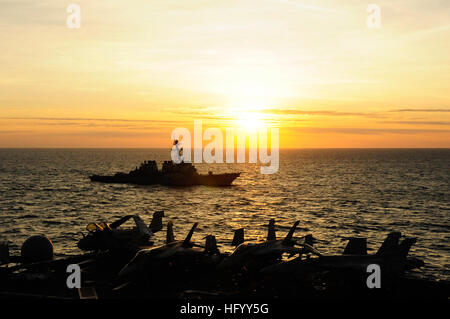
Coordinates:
<point>280,148</point>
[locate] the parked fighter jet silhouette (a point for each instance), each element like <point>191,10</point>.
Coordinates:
<point>259,255</point>
<point>104,236</point>
<point>391,254</point>
<point>185,254</point>
<point>391,257</point>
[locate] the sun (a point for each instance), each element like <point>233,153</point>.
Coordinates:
<point>247,96</point>
<point>249,121</point>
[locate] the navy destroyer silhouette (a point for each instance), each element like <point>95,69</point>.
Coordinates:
<point>171,174</point>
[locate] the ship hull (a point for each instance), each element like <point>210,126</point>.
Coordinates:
<point>170,179</point>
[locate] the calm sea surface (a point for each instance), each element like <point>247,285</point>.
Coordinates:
<point>334,193</point>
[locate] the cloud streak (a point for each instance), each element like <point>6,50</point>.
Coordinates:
<point>319,112</point>
<point>363,131</point>
<point>422,110</point>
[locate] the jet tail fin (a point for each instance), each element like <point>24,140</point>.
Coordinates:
<point>188,238</point>
<point>4,252</point>
<point>288,239</point>
<point>356,246</point>
<point>309,240</point>
<point>238,237</point>
<point>271,231</point>
<point>141,227</point>
<point>169,235</point>
<point>211,245</point>
<point>156,223</point>
<point>390,244</point>
<point>405,246</point>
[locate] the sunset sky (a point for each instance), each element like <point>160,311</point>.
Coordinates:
<point>136,70</point>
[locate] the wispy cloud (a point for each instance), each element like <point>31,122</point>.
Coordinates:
<point>90,123</point>
<point>116,134</point>
<point>303,5</point>
<point>421,122</point>
<point>422,110</point>
<point>426,32</point>
<point>363,131</point>
<point>318,112</point>
<point>89,119</point>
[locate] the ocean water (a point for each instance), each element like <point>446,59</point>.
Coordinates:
<point>334,194</point>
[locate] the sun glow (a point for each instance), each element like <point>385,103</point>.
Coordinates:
<point>247,99</point>
<point>249,121</point>
<point>250,97</point>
